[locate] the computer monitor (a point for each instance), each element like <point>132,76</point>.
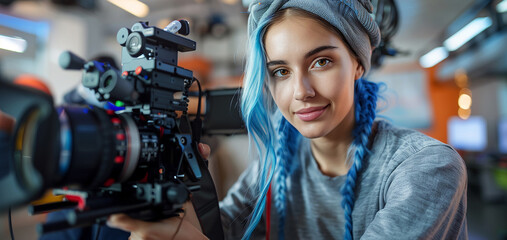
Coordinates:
<point>502,135</point>
<point>469,134</point>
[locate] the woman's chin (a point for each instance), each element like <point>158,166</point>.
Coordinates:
<point>311,133</point>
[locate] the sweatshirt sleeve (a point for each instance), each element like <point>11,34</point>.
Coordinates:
<point>238,204</point>
<point>425,198</point>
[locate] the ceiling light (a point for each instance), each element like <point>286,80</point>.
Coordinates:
<point>502,6</point>
<point>14,44</point>
<point>433,57</point>
<point>466,33</point>
<point>135,7</point>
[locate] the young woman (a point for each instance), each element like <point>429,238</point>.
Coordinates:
<point>326,169</point>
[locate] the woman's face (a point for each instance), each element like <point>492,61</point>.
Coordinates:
<point>311,76</point>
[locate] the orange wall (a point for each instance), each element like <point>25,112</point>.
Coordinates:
<point>444,101</point>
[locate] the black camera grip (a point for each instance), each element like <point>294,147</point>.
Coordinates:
<point>205,202</point>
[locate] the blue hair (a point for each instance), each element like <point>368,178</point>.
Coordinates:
<point>365,104</point>
<point>288,142</point>
<point>276,141</point>
<point>257,121</point>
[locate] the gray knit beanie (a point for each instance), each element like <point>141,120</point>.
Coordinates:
<point>351,17</point>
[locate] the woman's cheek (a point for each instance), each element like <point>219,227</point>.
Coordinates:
<point>282,92</point>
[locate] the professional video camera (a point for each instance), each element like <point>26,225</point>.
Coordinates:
<point>137,155</point>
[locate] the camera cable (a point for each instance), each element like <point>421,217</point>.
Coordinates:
<point>10,224</point>
<point>97,233</point>
<point>179,224</point>
<point>197,123</point>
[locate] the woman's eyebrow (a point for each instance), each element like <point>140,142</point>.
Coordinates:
<point>318,49</point>
<point>307,55</point>
<point>276,62</point>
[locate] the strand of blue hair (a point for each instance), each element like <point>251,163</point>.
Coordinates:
<point>365,104</point>
<point>257,121</point>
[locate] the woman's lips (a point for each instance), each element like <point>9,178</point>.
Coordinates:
<point>310,114</point>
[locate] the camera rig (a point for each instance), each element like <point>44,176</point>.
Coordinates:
<point>138,153</point>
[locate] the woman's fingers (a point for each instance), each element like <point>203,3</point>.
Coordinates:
<point>139,229</point>
<point>171,228</point>
<point>124,222</point>
<point>205,150</point>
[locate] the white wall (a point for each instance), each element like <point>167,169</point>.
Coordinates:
<point>486,95</point>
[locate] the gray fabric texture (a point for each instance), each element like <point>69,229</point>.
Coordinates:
<point>351,17</point>
<point>413,187</point>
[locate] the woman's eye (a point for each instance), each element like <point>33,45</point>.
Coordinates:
<point>321,63</point>
<point>281,73</point>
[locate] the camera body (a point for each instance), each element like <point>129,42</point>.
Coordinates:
<point>136,155</point>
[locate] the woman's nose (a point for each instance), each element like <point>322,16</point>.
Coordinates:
<point>303,88</point>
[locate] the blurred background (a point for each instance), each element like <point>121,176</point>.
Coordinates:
<point>444,63</point>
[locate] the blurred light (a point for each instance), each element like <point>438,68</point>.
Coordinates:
<point>502,6</point>
<point>465,91</point>
<point>464,113</point>
<point>461,78</point>
<point>230,2</point>
<point>433,57</point>
<point>162,23</point>
<point>466,33</point>
<point>135,7</point>
<point>465,101</point>
<point>40,29</point>
<point>14,44</point>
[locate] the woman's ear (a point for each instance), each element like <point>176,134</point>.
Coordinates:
<point>359,71</point>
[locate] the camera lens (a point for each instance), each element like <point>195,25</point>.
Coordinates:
<point>24,149</point>
<point>135,44</point>
<point>94,148</point>
<point>97,147</point>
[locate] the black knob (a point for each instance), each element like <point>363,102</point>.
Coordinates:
<point>69,60</point>
<point>177,194</point>
<point>122,35</point>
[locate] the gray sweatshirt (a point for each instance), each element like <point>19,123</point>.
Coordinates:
<point>413,187</point>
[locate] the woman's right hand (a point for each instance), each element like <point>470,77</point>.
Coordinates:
<point>204,150</point>
<point>186,226</point>
<point>182,227</point>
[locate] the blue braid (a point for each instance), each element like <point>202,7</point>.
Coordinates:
<point>285,150</point>
<point>365,103</point>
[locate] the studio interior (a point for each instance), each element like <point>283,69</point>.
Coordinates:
<point>443,65</point>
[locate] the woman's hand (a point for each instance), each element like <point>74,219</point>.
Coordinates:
<point>183,227</point>
<point>205,150</point>
<point>186,226</point>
